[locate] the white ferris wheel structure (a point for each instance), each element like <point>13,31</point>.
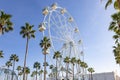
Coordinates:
<point>60,27</point>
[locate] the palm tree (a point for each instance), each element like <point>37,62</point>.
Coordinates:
<point>51,67</point>
<point>37,66</point>
<point>45,64</point>
<point>78,62</point>
<point>91,70</point>
<point>5,23</point>
<point>57,55</point>
<point>1,54</point>
<point>19,68</point>
<point>117,58</point>
<point>27,71</point>
<point>73,61</point>
<point>84,66</point>
<point>115,26</point>
<point>45,45</point>
<point>14,58</point>
<point>8,64</point>
<point>27,32</point>
<point>20,74</point>
<point>67,61</point>
<point>40,74</point>
<point>33,74</point>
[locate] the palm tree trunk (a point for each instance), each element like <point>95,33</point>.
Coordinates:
<point>41,76</point>
<point>7,74</point>
<point>67,72</point>
<point>118,3</point>
<point>83,74</point>
<point>45,67</point>
<point>56,69</point>
<point>91,77</point>
<point>26,76</point>
<point>18,75</point>
<point>36,74</point>
<point>1,30</point>
<point>73,71</point>
<point>25,59</point>
<point>13,69</point>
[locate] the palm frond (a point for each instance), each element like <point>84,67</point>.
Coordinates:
<point>109,2</point>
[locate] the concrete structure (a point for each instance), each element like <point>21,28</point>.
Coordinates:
<point>96,76</point>
<point>106,76</point>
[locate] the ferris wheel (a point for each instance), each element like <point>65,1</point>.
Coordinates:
<point>63,32</point>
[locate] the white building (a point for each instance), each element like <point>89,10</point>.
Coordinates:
<point>106,76</point>
<point>96,76</point>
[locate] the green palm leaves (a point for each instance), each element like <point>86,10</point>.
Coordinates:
<point>37,66</point>
<point>91,70</point>
<point>116,4</point>
<point>57,55</point>
<point>116,52</point>
<point>1,54</point>
<point>8,64</point>
<point>27,31</point>
<point>45,45</point>
<point>115,27</point>
<point>5,23</point>
<point>109,2</point>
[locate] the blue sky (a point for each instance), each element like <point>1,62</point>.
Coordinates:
<point>91,17</point>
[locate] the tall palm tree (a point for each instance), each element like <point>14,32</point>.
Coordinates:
<point>27,32</point>
<point>57,55</point>
<point>37,66</point>
<point>45,45</point>
<point>67,61</point>
<point>1,54</point>
<point>91,70</point>
<point>5,22</point>
<point>14,58</point>
<point>73,61</point>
